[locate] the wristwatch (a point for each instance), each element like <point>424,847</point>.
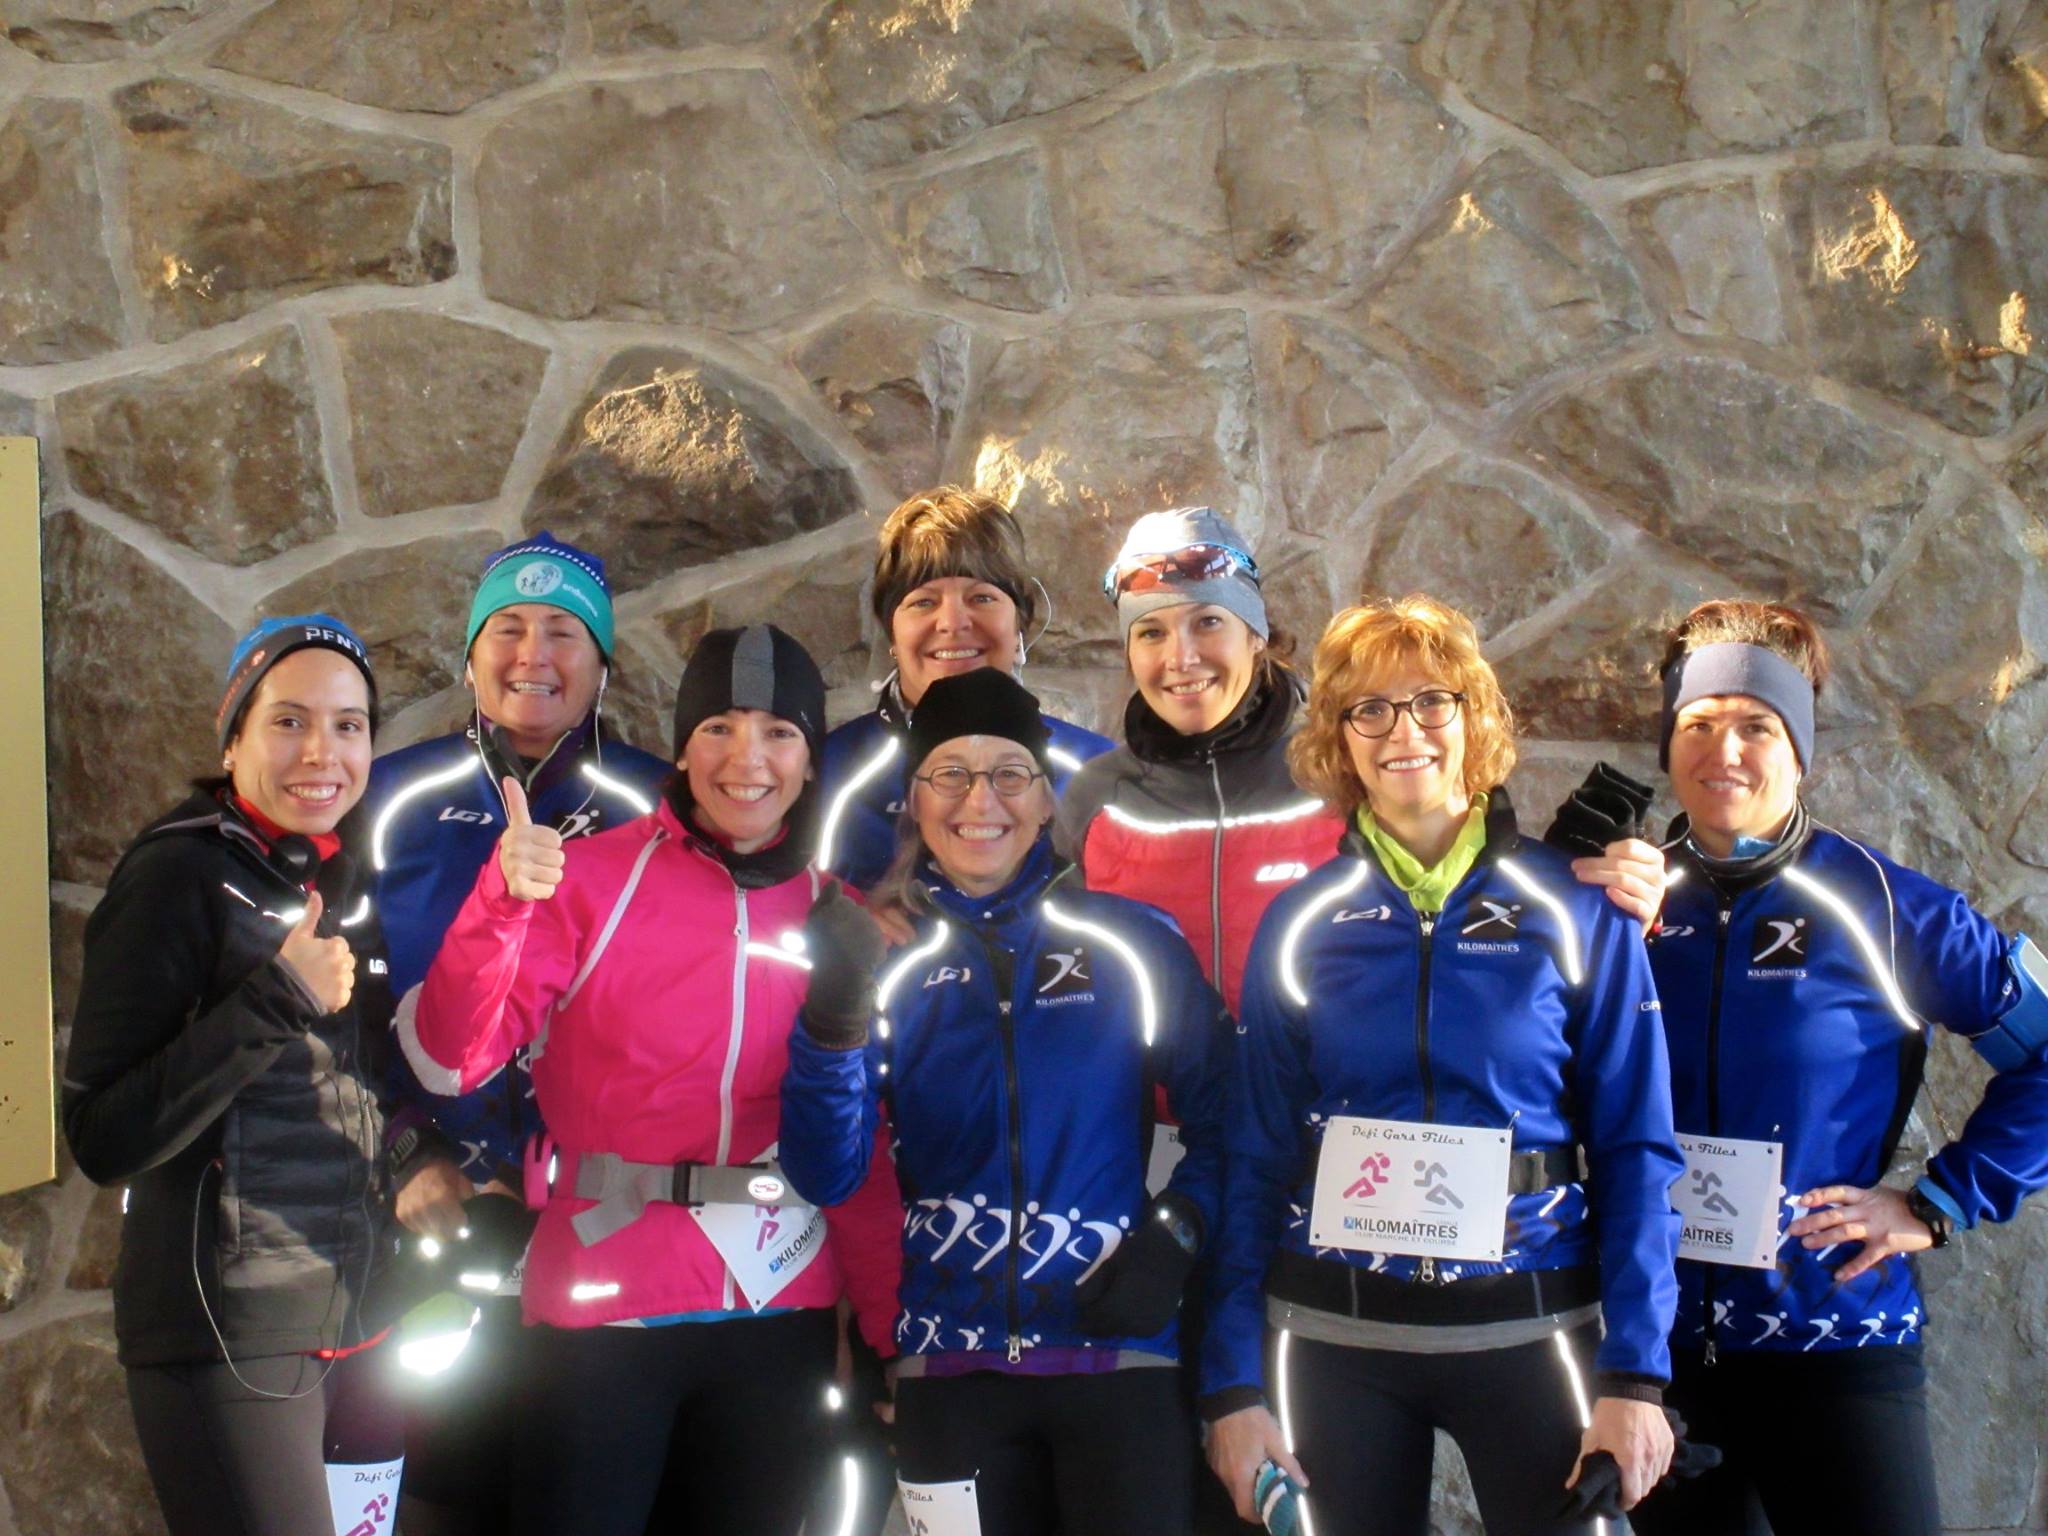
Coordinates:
<point>1938,1221</point>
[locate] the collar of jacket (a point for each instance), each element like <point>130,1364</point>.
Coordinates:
<point>1502,835</point>
<point>1733,876</point>
<point>210,811</point>
<point>578,744</point>
<point>781,860</point>
<point>1016,899</point>
<point>1261,718</point>
<point>890,708</point>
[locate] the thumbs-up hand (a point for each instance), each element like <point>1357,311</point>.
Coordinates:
<point>530,857</point>
<point>325,967</point>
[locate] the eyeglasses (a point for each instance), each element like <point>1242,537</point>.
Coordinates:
<point>953,782</point>
<point>1192,562</point>
<point>1432,709</point>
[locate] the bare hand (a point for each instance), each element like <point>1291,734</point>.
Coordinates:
<point>1633,872</point>
<point>430,1202</point>
<point>1877,1218</point>
<point>1637,1436</point>
<point>1239,1443</point>
<point>324,967</point>
<point>529,857</point>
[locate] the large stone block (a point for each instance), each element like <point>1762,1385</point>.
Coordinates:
<point>222,455</point>
<point>58,298</point>
<point>1291,179</point>
<point>1592,676</point>
<point>635,26</point>
<point>87,31</point>
<point>1974,705</point>
<point>133,666</point>
<point>1448,532</point>
<point>670,462</point>
<point>1786,495</point>
<point>1917,283</point>
<point>713,208</point>
<point>1922,53</point>
<point>2016,95</point>
<point>24,1245</point>
<point>1386,21</point>
<point>984,232</point>
<point>1333,415</point>
<point>436,407</point>
<point>17,416</point>
<point>1710,262</point>
<point>1622,87</point>
<point>1509,280</point>
<point>409,602</point>
<point>889,83</point>
<point>68,1453</point>
<point>1084,431</point>
<point>897,379</point>
<point>234,204</point>
<point>402,55</point>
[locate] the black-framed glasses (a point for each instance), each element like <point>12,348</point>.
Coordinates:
<point>1432,709</point>
<point>953,782</point>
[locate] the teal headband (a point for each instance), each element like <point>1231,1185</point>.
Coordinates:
<point>542,570</point>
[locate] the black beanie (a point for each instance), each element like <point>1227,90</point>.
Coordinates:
<point>759,667</point>
<point>984,702</point>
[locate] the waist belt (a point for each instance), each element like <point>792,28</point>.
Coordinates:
<point>1329,1285</point>
<point>622,1189</point>
<point>1536,1169</point>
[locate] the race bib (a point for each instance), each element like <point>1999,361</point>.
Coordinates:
<point>941,1509</point>
<point>363,1497</point>
<point>1727,1200</point>
<point>1401,1186</point>
<point>765,1246</point>
<point>1167,1151</point>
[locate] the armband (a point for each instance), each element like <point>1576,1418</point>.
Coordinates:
<point>2021,1034</point>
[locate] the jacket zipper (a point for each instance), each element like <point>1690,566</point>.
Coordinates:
<point>1002,966</point>
<point>732,1053</point>
<point>1216,880</point>
<point>1426,1273</point>
<point>1714,1094</point>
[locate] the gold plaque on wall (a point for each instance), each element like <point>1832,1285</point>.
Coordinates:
<point>27,1131</point>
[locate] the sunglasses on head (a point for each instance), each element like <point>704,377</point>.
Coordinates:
<point>1191,562</point>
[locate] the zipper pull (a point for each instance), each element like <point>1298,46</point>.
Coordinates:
<point>1003,1007</point>
<point>1713,1352</point>
<point>1428,926</point>
<point>1427,1274</point>
<point>1016,1348</point>
<point>1726,913</point>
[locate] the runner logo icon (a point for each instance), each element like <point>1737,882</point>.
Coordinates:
<point>1063,977</point>
<point>1778,939</point>
<point>1435,1184</point>
<point>1706,1188</point>
<point>1498,921</point>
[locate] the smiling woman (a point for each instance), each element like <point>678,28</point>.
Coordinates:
<point>953,593</point>
<point>1439,983</point>
<point>225,1066</point>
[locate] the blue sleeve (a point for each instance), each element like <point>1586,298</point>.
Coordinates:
<point>1268,1089</point>
<point>1622,1083</point>
<point>1197,1045</point>
<point>1955,965</point>
<point>829,1114</point>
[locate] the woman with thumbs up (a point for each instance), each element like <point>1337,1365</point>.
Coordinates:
<point>681,1302</point>
<point>233,984</point>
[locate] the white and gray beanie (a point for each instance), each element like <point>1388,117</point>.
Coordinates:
<point>1157,534</point>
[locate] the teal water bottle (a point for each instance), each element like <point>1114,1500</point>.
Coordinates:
<point>1276,1498</point>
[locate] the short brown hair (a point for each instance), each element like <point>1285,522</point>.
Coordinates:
<point>1775,627</point>
<point>952,530</point>
<point>1371,639</point>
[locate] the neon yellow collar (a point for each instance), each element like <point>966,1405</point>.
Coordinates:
<point>1427,889</point>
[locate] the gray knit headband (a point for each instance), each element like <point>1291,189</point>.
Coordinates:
<point>1732,667</point>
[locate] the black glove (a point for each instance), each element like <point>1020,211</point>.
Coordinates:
<point>1608,807</point>
<point>1597,1493</point>
<point>844,946</point>
<point>1136,1294</point>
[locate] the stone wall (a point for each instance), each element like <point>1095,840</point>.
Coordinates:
<point>1570,310</point>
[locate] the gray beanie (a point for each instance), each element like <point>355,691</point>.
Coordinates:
<point>1234,587</point>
